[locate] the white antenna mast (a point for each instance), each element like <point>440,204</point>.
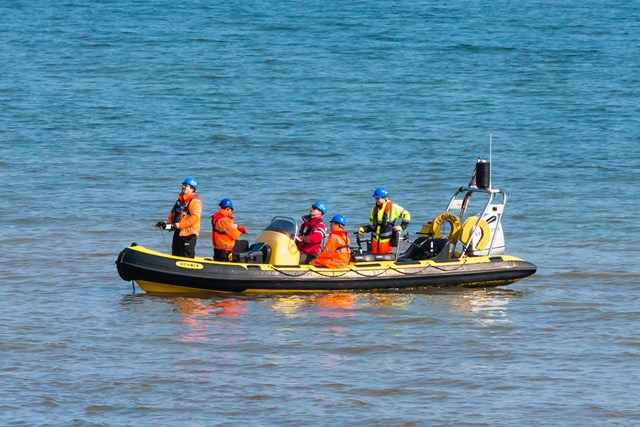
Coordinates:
<point>490,159</point>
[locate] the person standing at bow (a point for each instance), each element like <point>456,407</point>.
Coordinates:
<point>336,253</point>
<point>224,232</point>
<point>312,233</point>
<point>382,221</point>
<point>184,220</point>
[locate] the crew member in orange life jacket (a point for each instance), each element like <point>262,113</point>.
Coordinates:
<point>224,232</point>
<point>382,221</point>
<point>336,252</point>
<point>184,220</point>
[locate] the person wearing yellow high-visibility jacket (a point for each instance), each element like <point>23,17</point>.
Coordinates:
<point>382,221</point>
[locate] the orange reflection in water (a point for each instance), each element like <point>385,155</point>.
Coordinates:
<point>230,307</point>
<point>335,304</point>
<point>194,308</point>
<point>197,314</point>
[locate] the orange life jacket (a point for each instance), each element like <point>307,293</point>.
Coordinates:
<point>186,212</point>
<point>223,232</point>
<point>336,253</point>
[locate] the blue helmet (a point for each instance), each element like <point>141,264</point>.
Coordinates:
<point>320,206</point>
<point>339,219</point>
<point>192,182</point>
<point>380,192</point>
<point>226,203</point>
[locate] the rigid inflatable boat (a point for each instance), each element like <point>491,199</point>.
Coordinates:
<point>471,255</point>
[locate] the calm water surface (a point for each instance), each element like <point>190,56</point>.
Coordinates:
<point>106,106</point>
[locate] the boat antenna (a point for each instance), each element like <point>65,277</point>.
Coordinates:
<point>490,158</point>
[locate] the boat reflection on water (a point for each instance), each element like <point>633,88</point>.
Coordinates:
<point>218,319</point>
<point>338,304</point>
<point>484,306</point>
<point>289,306</point>
<point>390,300</point>
<point>198,315</point>
<point>335,304</point>
<point>194,307</point>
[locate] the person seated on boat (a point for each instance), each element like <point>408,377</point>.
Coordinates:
<point>312,233</point>
<point>336,253</point>
<point>382,221</point>
<point>224,232</point>
<point>184,220</point>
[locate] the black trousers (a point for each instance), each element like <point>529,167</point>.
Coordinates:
<point>184,246</point>
<point>219,255</point>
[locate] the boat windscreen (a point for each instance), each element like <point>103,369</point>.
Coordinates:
<point>283,225</point>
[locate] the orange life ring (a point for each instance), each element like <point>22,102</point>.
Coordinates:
<point>469,224</point>
<point>452,219</point>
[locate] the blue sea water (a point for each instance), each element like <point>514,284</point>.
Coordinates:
<point>106,106</point>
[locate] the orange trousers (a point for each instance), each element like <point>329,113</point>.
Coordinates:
<point>382,247</point>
